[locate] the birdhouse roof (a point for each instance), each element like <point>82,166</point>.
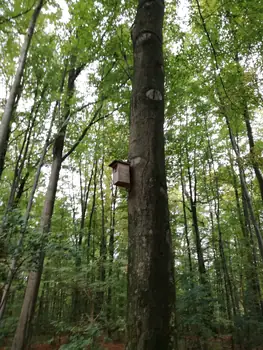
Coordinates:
<point>116,162</point>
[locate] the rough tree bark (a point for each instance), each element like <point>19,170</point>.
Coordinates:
<point>150,260</point>
<point>15,90</point>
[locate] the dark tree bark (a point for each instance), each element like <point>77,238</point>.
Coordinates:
<point>151,286</point>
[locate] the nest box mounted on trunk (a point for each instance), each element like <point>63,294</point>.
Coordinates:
<point>121,173</point>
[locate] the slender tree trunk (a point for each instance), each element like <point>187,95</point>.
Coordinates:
<point>255,304</point>
<point>244,104</point>
<point>252,150</point>
<point>93,205</point>
<point>103,247</point>
<point>76,294</point>
<point>111,251</point>
<point>193,204</point>
<point>9,107</point>
<point>227,281</point>
<point>27,312</point>
<point>186,224</point>
<point>244,187</point>
<point>84,202</point>
<point>23,156</point>
<point>13,264</point>
<point>13,188</point>
<point>151,286</point>
<point>249,268</point>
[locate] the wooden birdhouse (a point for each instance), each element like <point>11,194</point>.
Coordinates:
<point>121,173</point>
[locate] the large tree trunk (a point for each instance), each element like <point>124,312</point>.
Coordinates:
<point>150,260</point>
<point>9,107</point>
<point>27,312</point>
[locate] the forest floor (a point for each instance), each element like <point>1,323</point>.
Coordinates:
<point>64,340</point>
<point>105,346</point>
<point>222,343</point>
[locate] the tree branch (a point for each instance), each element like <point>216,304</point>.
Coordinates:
<point>8,19</point>
<point>93,121</point>
<point>83,134</point>
<point>213,50</point>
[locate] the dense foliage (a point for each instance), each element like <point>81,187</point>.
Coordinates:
<point>76,84</point>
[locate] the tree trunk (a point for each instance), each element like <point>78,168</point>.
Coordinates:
<point>27,312</point>
<point>151,289</point>
<point>111,251</point>
<point>193,204</point>
<point>185,222</point>
<point>23,156</point>
<point>252,150</point>
<point>244,187</point>
<point>216,194</point>
<point>103,247</point>
<point>92,206</point>
<point>250,272</point>
<point>16,255</point>
<point>77,301</point>
<point>9,107</point>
